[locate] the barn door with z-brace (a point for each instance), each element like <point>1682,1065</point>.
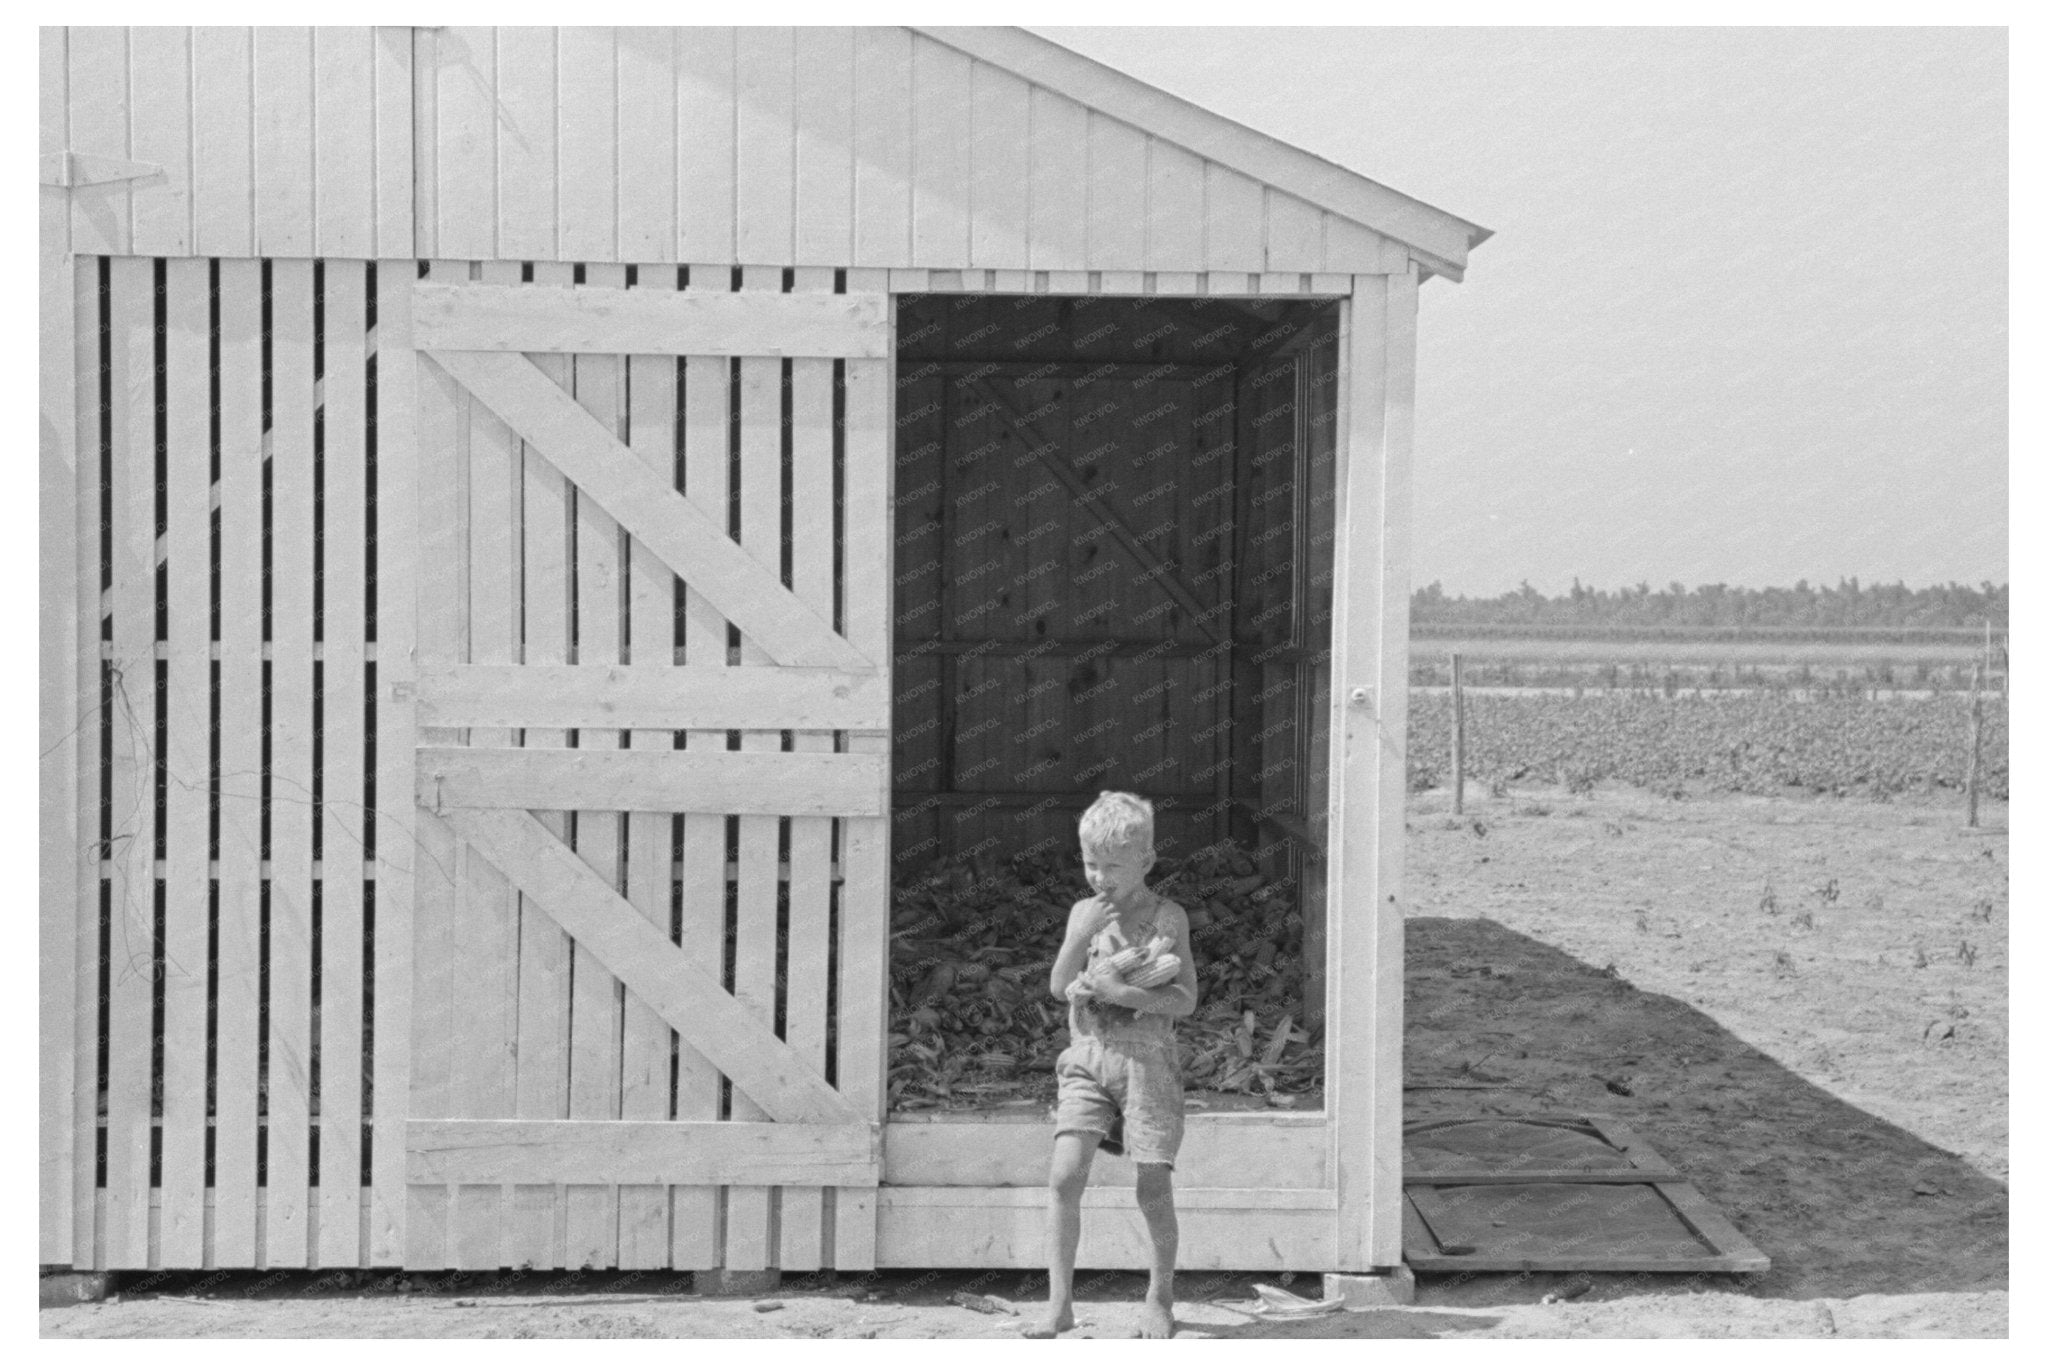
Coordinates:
<point>650,926</point>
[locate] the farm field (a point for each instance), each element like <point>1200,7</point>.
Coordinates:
<point>1849,662</point>
<point>1767,743</point>
<point>1827,1062</point>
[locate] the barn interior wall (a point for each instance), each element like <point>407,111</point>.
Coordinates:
<point>1113,549</point>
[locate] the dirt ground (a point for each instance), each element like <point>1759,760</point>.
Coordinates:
<point>1800,1004</point>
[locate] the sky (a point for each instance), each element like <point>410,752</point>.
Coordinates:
<point>1744,316</point>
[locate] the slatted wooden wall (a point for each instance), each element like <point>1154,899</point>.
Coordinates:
<point>244,807</point>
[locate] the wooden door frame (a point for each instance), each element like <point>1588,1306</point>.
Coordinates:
<point>978,1198</point>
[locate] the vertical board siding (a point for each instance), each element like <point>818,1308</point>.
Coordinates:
<point>999,122</point>
<point>396,547</point>
<point>392,172</point>
<point>285,137</point>
<point>131,777</point>
<point>941,156</point>
<point>485,923</point>
<point>881,147</point>
<point>288,1075</point>
<point>464,132</point>
<point>87,1247</point>
<point>97,83</point>
<point>698,1232</point>
<point>825,75</point>
<point>1348,246</point>
<point>750,1209</point>
<point>1236,217</point>
<point>1294,233</point>
<point>869,442</point>
<point>1116,195</point>
<point>188,716</point>
<point>527,157</point>
<point>542,1080</point>
<point>1174,209</point>
<point>588,134</point>
<point>223,142</point>
<point>807,954</point>
<point>344,744</point>
<point>345,142</point>
<point>160,76</point>
<point>647,143</point>
<point>61,706</point>
<point>595,995</point>
<point>826,146</point>
<point>644,1089</point>
<point>706,85</point>
<point>764,121</point>
<point>1058,180</point>
<point>441,623</point>
<point>240,784</point>
<point>279,141</point>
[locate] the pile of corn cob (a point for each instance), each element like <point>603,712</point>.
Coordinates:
<point>972,1021</point>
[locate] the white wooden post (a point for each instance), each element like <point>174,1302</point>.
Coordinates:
<point>60,676</point>
<point>1368,777</point>
<point>1972,780</point>
<point>1457,734</point>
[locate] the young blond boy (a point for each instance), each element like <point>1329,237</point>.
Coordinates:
<point>1120,1077</point>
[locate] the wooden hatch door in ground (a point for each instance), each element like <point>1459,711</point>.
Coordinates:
<point>650,935</point>
<point>1512,1194</point>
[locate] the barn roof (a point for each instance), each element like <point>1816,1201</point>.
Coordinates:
<point>1441,239</point>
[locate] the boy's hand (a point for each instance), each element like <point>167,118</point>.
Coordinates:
<point>1112,989</point>
<point>1092,916</point>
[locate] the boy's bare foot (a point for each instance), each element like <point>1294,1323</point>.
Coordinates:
<point>1155,1320</point>
<point>1051,1323</point>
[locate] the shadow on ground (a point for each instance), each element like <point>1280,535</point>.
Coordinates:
<point>1843,1203</point>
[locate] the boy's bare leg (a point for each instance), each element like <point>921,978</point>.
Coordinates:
<point>1072,1154</point>
<point>1155,1200</point>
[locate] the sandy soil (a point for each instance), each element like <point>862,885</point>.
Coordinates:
<point>1827,1062</point>
<point>1829,1067</point>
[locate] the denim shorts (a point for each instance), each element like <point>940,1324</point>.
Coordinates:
<point>1129,1093</point>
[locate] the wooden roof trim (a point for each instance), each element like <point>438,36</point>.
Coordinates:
<point>1282,165</point>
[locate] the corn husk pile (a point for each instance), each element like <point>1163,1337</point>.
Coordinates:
<point>972,1021</point>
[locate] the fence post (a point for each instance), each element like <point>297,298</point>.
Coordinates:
<point>1457,734</point>
<point>1976,740</point>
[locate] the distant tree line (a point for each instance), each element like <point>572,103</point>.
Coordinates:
<point>1847,604</point>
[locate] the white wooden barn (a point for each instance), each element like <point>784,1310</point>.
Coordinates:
<point>476,495</point>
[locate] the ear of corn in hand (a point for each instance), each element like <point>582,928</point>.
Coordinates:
<point>1158,972</point>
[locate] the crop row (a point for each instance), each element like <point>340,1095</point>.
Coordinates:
<point>1761,743</point>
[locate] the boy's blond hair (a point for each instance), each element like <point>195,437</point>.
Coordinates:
<point>1118,820</point>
